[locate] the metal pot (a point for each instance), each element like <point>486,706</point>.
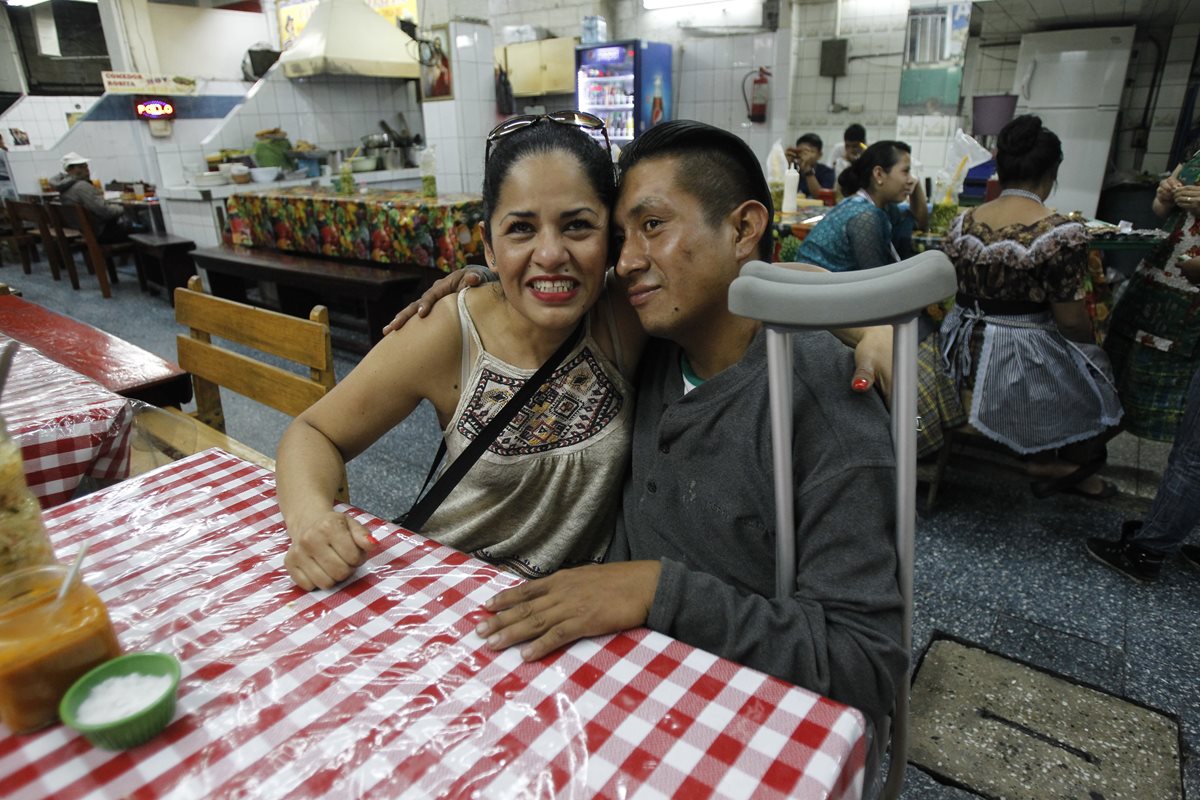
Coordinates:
<point>393,158</point>
<point>410,156</point>
<point>377,140</point>
<point>374,152</point>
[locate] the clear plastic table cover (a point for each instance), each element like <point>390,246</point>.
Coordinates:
<point>68,426</point>
<point>381,688</point>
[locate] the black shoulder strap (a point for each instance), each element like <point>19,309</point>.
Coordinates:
<point>421,510</point>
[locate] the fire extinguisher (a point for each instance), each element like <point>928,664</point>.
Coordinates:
<point>756,100</point>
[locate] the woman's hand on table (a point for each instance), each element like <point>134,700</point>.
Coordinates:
<point>443,287</point>
<point>327,551</point>
<point>571,604</point>
<point>1188,198</point>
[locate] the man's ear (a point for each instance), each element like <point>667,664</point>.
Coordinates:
<point>750,225</point>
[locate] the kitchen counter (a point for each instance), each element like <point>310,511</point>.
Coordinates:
<point>206,193</point>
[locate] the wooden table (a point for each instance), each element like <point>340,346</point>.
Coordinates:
<point>68,426</point>
<point>114,363</point>
<point>381,688</point>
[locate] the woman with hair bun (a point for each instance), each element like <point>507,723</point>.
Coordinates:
<point>1019,341</point>
<point>857,232</point>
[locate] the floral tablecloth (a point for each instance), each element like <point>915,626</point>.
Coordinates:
<point>392,227</point>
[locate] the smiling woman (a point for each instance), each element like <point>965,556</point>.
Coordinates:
<point>547,190</point>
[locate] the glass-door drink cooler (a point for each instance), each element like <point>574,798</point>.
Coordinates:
<point>627,84</point>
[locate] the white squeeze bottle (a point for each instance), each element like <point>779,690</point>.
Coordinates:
<point>791,183</point>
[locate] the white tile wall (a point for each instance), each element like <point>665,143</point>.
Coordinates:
<point>459,126</point>
<point>43,118</point>
<point>874,28</point>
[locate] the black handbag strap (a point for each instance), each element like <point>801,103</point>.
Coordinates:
<point>424,507</point>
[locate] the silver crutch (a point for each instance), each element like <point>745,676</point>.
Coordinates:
<point>787,300</point>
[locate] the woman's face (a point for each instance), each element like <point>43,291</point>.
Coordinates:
<point>894,185</point>
<point>549,240</point>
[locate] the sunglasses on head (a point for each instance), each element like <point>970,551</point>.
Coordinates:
<point>578,119</point>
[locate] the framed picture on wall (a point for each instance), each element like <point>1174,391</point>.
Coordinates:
<point>437,81</point>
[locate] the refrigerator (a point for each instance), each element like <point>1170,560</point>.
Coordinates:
<point>627,84</point>
<point>1073,81</point>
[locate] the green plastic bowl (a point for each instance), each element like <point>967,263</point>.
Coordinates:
<point>138,727</point>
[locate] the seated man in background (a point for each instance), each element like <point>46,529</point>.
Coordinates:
<point>854,142</point>
<point>806,158</point>
<point>74,185</point>
<point>694,551</point>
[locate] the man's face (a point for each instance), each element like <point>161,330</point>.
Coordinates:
<point>80,171</point>
<point>808,153</point>
<point>675,267</point>
<point>854,150</point>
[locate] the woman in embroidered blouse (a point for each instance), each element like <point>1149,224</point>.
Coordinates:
<point>1019,339</point>
<point>548,187</point>
<point>1154,336</point>
<point>857,232</point>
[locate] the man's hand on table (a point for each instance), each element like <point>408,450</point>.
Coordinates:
<point>327,551</point>
<point>443,287</point>
<point>571,604</point>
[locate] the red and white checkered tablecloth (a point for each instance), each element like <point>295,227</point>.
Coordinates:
<point>68,426</point>
<point>380,688</point>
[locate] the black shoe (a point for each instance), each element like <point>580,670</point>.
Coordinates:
<point>1130,560</point>
<point>1191,554</point>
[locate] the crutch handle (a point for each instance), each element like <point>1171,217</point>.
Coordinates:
<point>813,300</point>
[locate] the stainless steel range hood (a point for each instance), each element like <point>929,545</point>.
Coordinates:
<point>345,37</point>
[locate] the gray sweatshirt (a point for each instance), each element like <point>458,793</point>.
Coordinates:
<point>83,193</point>
<point>700,500</point>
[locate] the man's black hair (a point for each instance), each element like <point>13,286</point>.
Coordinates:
<point>855,133</point>
<point>715,166</point>
<point>810,138</point>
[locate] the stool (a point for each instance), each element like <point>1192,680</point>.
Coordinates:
<point>168,255</point>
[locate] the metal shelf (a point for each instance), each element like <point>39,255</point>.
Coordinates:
<point>609,79</point>
<point>612,106</point>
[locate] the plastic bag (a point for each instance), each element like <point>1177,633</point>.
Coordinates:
<point>963,154</point>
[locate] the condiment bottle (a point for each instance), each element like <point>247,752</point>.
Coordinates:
<point>791,184</point>
<point>23,539</point>
<point>46,646</point>
<point>429,171</point>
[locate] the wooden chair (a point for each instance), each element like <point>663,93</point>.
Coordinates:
<point>301,341</point>
<point>98,255</point>
<point>31,222</point>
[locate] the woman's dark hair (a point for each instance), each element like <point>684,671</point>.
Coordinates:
<point>713,165</point>
<point>546,136</point>
<point>881,154</point>
<point>1026,152</point>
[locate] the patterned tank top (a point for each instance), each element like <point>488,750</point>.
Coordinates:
<point>545,494</point>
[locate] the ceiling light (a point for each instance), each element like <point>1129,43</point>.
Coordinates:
<point>25,3</point>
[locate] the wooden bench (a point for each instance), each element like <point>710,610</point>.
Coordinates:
<point>114,363</point>
<point>164,259</point>
<point>305,281</point>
